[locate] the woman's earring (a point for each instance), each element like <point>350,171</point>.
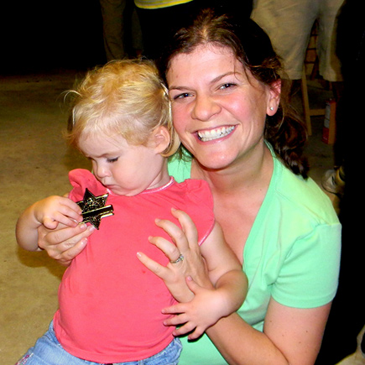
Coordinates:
<point>271,108</point>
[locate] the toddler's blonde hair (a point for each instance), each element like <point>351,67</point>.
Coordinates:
<point>126,98</point>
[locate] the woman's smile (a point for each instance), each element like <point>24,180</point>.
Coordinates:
<point>214,133</point>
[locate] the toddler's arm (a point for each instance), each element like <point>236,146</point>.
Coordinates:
<point>48,212</point>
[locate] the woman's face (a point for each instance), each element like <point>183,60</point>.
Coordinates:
<point>219,109</point>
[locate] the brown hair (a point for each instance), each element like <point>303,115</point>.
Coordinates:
<point>252,47</point>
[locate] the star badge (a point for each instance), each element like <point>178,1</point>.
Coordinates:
<point>94,209</point>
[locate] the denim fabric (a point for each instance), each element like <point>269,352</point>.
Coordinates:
<point>48,351</point>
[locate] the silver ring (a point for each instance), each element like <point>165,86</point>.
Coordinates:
<point>180,258</point>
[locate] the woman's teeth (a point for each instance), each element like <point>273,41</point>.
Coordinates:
<point>209,135</point>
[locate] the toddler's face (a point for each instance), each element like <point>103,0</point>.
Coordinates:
<point>123,168</point>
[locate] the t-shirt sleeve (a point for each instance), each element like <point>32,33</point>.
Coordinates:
<point>198,204</point>
<point>309,275</point>
<point>81,179</point>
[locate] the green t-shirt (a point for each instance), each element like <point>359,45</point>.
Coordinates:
<point>292,253</point>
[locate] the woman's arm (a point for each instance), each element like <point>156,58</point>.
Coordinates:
<point>290,336</point>
<point>223,288</point>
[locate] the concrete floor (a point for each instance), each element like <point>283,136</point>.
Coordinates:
<point>35,161</point>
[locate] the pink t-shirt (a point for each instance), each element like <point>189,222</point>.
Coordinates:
<point>109,303</point>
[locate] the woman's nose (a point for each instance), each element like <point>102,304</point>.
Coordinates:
<point>205,107</point>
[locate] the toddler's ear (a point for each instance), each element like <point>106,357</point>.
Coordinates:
<point>161,139</point>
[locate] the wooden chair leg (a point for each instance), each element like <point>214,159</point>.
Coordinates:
<point>307,114</point>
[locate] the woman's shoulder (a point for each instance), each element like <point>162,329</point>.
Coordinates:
<point>302,196</point>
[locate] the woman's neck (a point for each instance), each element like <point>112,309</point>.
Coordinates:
<point>246,175</point>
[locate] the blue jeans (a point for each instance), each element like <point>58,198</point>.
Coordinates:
<point>48,351</point>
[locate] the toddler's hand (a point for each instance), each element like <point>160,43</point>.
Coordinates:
<point>57,209</point>
<point>206,308</point>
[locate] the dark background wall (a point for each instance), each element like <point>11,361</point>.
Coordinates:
<point>39,36</point>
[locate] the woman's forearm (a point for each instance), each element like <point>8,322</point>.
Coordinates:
<point>291,336</point>
<point>241,344</point>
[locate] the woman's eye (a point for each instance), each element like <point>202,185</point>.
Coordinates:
<point>111,160</point>
<point>181,96</point>
<point>226,85</point>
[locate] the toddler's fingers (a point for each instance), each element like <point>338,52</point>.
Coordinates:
<point>176,320</point>
<point>195,334</point>
<point>73,213</point>
<point>175,309</point>
<point>183,330</point>
<point>50,223</point>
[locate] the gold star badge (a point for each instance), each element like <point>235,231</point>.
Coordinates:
<point>94,209</point>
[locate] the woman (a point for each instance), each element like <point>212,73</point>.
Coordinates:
<point>224,82</point>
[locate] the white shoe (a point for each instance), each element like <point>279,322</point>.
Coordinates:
<point>332,182</point>
<point>358,357</point>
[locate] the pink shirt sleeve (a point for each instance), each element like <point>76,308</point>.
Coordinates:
<point>199,206</point>
<point>81,179</point>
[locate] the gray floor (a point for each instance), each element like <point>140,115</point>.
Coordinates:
<point>34,164</point>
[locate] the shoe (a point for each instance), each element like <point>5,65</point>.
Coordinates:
<point>357,358</point>
<point>333,183</point>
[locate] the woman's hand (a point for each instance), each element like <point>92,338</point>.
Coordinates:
<point>64,243</point>
<point>186,244</point>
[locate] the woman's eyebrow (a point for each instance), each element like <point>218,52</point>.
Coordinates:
<point>213,81</point>
<point>220,77</point>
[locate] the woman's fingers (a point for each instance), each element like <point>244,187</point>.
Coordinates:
<point>168,248</point>
<point>66,243</point>
<point>153,266</point>
<point>177,235</point>
<point>68,236</point>
<point>185,238</point>
<point>189,229</point>
<point>68,255</point>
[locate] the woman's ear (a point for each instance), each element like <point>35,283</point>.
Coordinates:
<point>160,139</point>
<point>274,98</point>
